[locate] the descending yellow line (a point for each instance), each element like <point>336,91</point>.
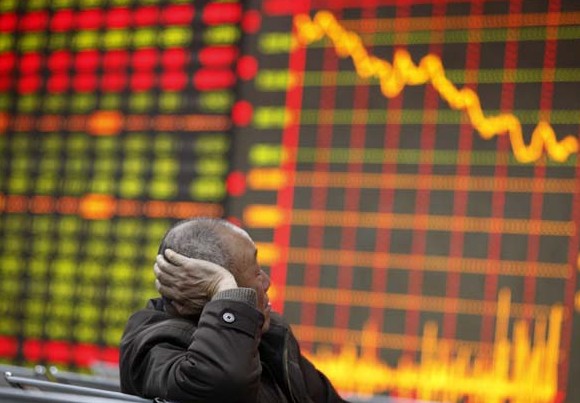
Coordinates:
<point>394,77</point>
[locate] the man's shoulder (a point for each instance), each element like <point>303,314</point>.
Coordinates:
<point>152,313</point>
<point>153,321</point>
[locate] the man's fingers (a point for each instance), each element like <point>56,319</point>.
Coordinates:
<point>163,277</point>
<point>157,270</point>
<point>168,292</point>
<point>166,266</point>
<point>192,264</point>
<point>175,258</point>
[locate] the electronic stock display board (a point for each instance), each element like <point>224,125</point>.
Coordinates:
<point>114,123</point>
<point>408,170</point>
<point>413,184</point>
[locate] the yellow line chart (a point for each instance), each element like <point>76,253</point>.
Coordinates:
<point>393,78</point>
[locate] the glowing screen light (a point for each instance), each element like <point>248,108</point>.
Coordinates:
<point>409,171</point>
<point>114,123</point>
<point>412,181</point>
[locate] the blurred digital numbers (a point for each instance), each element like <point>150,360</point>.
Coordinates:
<point>114,123</point>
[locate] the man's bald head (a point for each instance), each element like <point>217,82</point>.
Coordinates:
<point>201,238</point>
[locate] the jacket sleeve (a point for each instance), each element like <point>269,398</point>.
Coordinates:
<point>216,362</point>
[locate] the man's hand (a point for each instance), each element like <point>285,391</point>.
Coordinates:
<point>190,283</point>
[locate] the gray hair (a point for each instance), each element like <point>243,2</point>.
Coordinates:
<point>199,238</point>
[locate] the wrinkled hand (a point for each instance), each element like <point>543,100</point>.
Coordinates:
<point>190,283</point>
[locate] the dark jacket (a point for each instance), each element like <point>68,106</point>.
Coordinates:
<point>218,357</point>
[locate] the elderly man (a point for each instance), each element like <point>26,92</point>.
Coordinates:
<point>212,336</point>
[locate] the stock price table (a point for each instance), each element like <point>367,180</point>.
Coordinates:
<point>412,179</point>
<point>114,123</point>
